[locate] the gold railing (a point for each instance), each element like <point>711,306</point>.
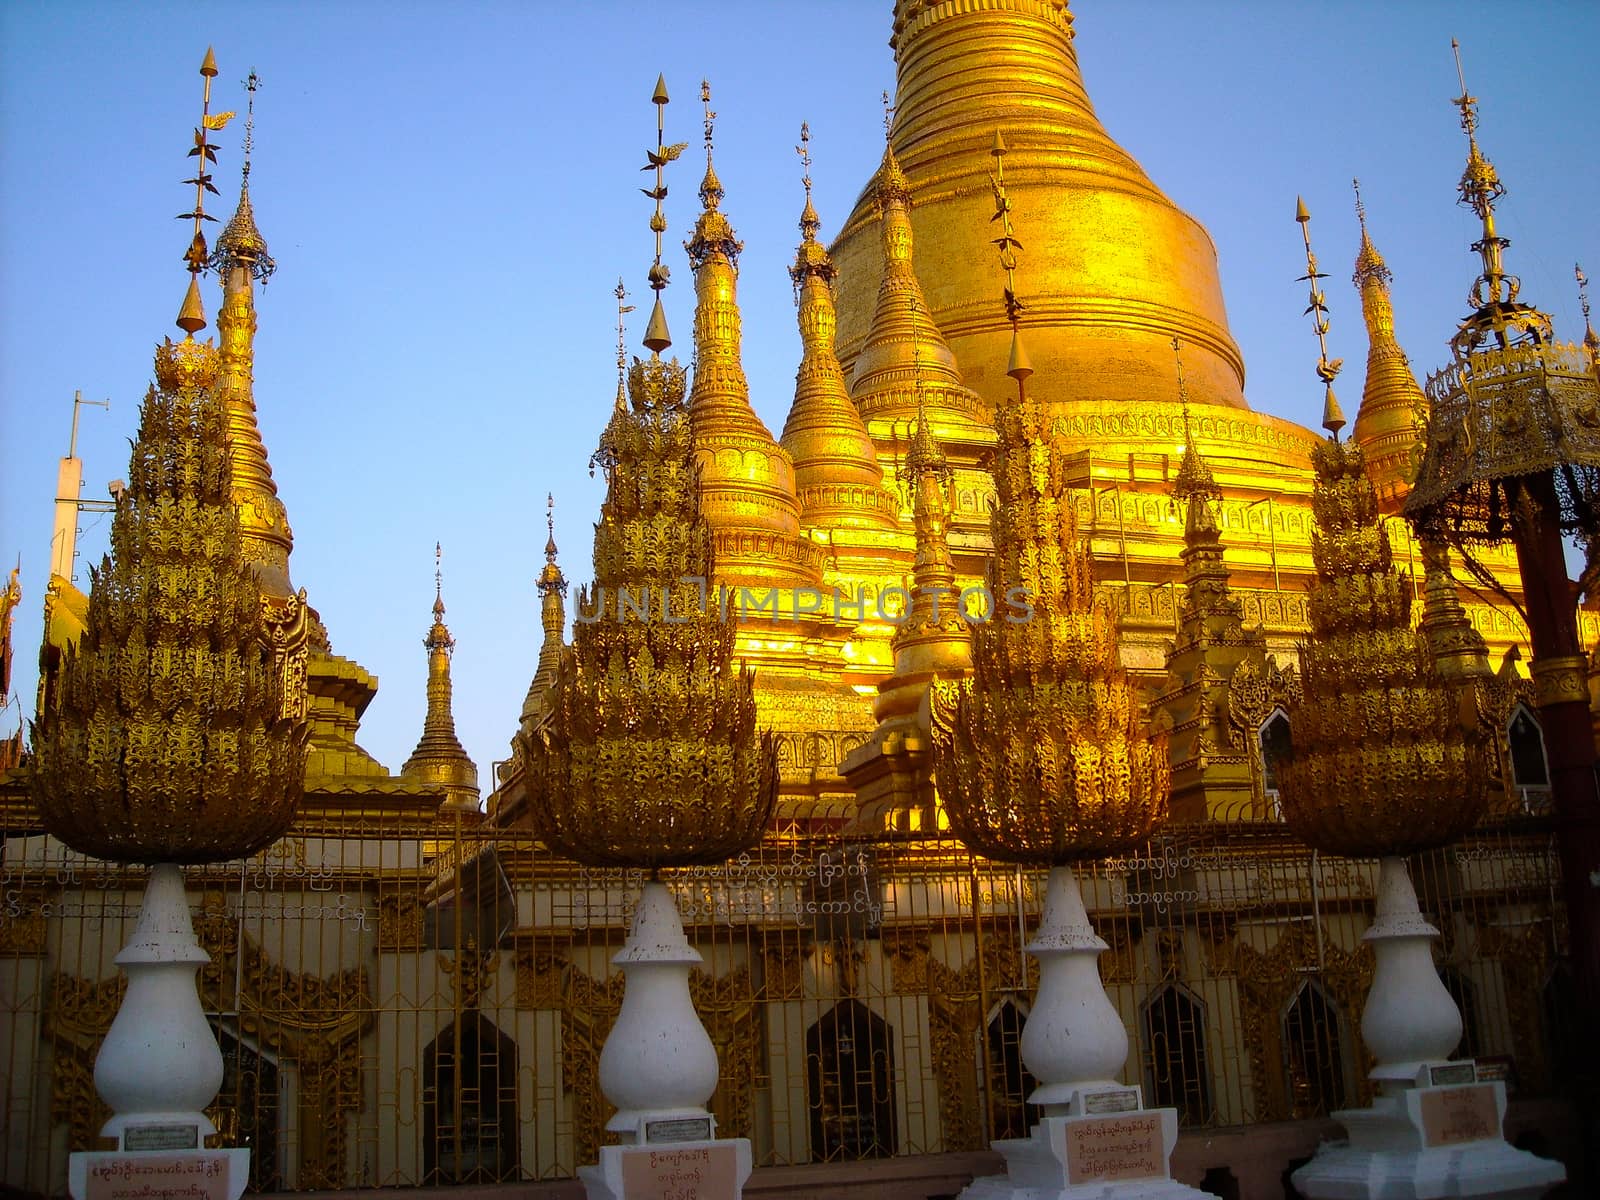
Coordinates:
<point>406,1006</point>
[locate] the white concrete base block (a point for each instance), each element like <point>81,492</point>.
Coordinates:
<point>1124,1156</point>
<point>706,1170</point>
<point>125,1175</point>
<point>1411,1146</point>
<point>160,1065</point>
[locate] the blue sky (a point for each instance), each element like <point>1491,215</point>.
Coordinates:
<point>450,192</point>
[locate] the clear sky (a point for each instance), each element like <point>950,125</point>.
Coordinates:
<point>451,194</point>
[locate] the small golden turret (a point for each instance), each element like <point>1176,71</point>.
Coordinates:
<point>903,346</point>
<point>553,616</point>
<point>1591,339</point>
<point>747,481</point>
<point>837,477</point>
<point>1458,649</point>
<point>1208,602</point>
<point>1388,423</point>
<point>1380,764</point>
<point>933,639</point>
<point>241,260</point>
<point>439,758</point>
<point>175,734</point>
<point>1042,755</point>
<point>648,754</point>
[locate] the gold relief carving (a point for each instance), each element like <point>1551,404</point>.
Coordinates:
<point>957,1009</point>
<point>400,918</point>
<point>76,1016</point>
<point>782,969</point>
<point>1560,680</point>
<point>1268,984</point>
<point>1524,956</point>
<point>22,933</point>
<point>539,963</point>
<point>470,971</point>
<point>1120,963</point>
<point>1253,694</point>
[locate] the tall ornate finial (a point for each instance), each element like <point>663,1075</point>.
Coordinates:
<point>439,757</point>
<point>438,579</point>
<point>623,309</point>
<point>888,118</point>
<point>1369,263</point>
<point>192,317</point>
<point>810,223</point>
<point>240,243</point>
<point>656,336</point>
<point>1327,371</point>
<point>1591,340</point>
<point>1018,366</point>
<point>1194,481</point>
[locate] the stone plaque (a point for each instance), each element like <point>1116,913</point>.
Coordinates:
<point>150,1176</point>
<point>1117,1100</point>
<point>1451,1116</point>
<point>681,1129</point>
<point>161,1137</point>
<point>1107,1149</point>
<point>1452,1073</point>
<point>708,1172</point>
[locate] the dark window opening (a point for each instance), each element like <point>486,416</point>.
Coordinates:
<point>850,1084</point>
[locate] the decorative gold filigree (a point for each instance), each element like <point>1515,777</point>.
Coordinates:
<point>1381,763</point>
<point>649,755</point>
<point>1041,755</point>
<point>172,737</point>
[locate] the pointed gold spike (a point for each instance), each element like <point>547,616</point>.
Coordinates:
<point>656,337</point>
<point>999,146</point>
<point>1301,212</point>
<point>659,96</point>
<point>208,68</point>
<point>1332,414</point>
<point>1018,366</point>
<point>192,316</point>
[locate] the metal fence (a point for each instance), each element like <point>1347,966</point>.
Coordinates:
<point>401,1006</point>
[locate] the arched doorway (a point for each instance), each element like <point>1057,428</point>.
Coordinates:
<point>1176,1072</point>
<point>469,1103</point>
<point>246,1111</point>
<point>850,1084</point>
<point>1313,1053</point>
<point>1009,1082</point>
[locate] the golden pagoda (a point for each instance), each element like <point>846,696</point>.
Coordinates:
<point>439,758</point>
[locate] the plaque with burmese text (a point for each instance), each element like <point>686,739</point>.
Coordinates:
<point>153,1176</point>
<point>1451,1116</point>
<point>681,1172</point>
<point>1107,1149</point>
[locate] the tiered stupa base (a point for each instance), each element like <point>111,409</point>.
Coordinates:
<point>159,1067</point>
<point>659,1068</point>
<point>1096,1138</point>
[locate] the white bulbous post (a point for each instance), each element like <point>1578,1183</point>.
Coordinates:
<point>658,1061</point>
<point>160,1063</point>
<point>1410,1018</point>
<point>1073,1037</point>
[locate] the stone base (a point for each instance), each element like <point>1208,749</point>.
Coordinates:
<point>1427,1142</point>
<point>126,1174</point>
<point>1125,1156</point>
<point>712,1170</point>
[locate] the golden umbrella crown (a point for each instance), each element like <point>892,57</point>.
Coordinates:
<point>175,736</point>
<point>1041,755</point>
<point>649,754</point>
<point>1380,763</point>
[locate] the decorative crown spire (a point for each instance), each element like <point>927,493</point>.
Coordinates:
<point>439,757</point>
<point>552,586</point>
<point>1497,317</point>
<point>656,336</point>
<point>1017,365</point>
<point>713,232</point>
<point>241,243</point>
<point>1327,371</point>
<point>1194,483</point>
<point>1591,340</point>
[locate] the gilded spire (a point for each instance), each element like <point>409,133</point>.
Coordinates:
<point>1041,754</point>
<point>174,734</point>
<point>747,483</point>
<point>1195,486</point>
<point>553,616</point>
<point>1591,340</point>
<point>439,757</point>
<point>241,260</point>
<point>1327,371</point>
<point>656,336</point>
<point>1387,423</point>
<point>648,754</point>
<point>837,477</point>
<point>1459,651</point>
<point>902,331</point>
<point>1497,318</point>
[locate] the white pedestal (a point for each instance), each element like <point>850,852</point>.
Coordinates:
<point>1427,1142</point>
<point>659,1068</point>
<point>159,1067</point>
<point>1433,1131</point>
<point>1096,1139</point>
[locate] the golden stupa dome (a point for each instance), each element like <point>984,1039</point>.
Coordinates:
<point>1121,268</point>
